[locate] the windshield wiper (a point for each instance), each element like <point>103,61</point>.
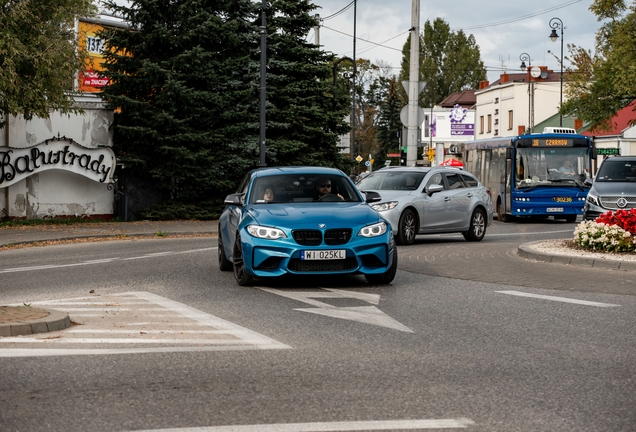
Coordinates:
<point>578,183</point>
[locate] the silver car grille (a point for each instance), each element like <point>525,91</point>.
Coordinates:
<point>611,202</point>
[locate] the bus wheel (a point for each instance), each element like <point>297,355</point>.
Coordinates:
<point>501,216</point>
<point>570,218</point>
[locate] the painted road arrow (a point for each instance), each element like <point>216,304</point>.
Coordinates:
<point>364,314</point>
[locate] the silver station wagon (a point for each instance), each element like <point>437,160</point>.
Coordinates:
<point>419,200</point>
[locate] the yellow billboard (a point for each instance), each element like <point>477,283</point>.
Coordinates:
<point>89,79</point>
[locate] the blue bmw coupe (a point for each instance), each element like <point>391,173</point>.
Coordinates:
<point>304,221</point>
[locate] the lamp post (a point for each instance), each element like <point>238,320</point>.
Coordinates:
<point>556,23</point>
<point>526,57</point>
<point>263,31</point>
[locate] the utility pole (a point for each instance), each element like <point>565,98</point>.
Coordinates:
<point>317,29</point>
<point>263,30</point>
<point>414,78</point>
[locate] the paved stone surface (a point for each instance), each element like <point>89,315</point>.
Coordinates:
<point>501,263</point>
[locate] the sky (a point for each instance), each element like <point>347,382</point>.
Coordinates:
<point>504,30</point>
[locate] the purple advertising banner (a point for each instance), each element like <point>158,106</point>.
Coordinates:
<point>462,129</point>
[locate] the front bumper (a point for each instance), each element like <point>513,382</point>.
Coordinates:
<point>273,258</point>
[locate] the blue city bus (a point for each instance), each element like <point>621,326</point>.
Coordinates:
<point>527,174</point>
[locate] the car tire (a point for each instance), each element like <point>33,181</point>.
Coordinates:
<point>477,229</point>
<point>224,263</point>
<point>240,273</point>
<point>407,228</point>
<point>386,277</point>
<point>501,216</point>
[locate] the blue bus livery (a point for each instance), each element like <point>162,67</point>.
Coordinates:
<point>535,175</point>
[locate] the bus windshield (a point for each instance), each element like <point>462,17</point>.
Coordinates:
<point>551,166</point>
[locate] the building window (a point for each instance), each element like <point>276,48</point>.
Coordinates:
<point>489,123</point>
<point>481,124</point>
<point>510,120</point>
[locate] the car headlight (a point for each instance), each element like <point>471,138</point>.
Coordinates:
<point>384,206</point>
<point>265,232</point>
<point>592,198</point>
<point>373,230</point>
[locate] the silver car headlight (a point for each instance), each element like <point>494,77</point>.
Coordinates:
<point>265,232</point>
<point>592,199</point>
<point>373,230</point>
<point>384,206</point>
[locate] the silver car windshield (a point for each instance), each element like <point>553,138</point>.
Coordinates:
<point>391,180</point>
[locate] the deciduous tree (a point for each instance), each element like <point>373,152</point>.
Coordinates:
<point>39,59</point>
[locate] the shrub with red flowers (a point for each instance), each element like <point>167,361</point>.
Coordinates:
<point>622,218</point>
<point>610,232</point>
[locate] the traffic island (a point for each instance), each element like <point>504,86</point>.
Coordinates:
<point>26,320</point>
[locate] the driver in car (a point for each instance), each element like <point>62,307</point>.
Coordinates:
<point>323,188</point>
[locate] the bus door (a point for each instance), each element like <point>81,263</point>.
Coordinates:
<point>506,203</point>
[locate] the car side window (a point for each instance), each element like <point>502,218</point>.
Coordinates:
<point>454,181</point>
<point>436,179</point>
<point>470,181</point>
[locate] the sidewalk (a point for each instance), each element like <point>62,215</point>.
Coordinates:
<point>23,320</point>
<point>43,233</point>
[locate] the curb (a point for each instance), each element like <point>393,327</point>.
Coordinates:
<point>56,320</point>
<point>114,235</point>
<point>526,251</point>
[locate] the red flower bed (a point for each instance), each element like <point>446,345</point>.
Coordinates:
<point>625,219</point>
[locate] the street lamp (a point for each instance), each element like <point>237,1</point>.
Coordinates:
<point>556,23</point>
<point>526,57</point>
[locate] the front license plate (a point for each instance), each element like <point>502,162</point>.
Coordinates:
<point>555,209</point>
<point>323,255</point>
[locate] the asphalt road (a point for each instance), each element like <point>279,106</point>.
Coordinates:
<point>468,336</point>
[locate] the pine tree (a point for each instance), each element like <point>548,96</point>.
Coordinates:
<point>184,93</point>
<point>305,115</point>
<point>389,127</point>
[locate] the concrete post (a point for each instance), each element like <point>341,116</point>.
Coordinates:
<point>414,78</point>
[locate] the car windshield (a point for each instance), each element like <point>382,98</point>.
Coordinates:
<point>293,188</point>
<point>392,180</point>
<point>617,171</point>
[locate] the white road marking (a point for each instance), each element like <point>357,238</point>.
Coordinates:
<point>181,325</point>
<point>102,261</point>
<point>332,426</point>
<point>364,314</point>
<point>559,299</point>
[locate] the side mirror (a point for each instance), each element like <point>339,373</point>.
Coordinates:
<point>371,197</point>
<point>594,153</point>
<point>234,199</point>
<point>434,188</point>
<point>588,182</point>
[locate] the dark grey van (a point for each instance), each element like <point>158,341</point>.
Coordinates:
<point>614,187</point>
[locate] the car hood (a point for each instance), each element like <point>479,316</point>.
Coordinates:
<point>390,195</point>
<point>310,215</point>
<point>614,188</point>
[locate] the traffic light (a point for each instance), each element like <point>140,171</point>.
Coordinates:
<point>402,156</point>
<point>431,154</point>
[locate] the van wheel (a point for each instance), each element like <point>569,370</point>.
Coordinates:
<point>477,229</point>
<point>406,228</point>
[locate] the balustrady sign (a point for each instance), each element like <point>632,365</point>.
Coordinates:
<point>57,153</point>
